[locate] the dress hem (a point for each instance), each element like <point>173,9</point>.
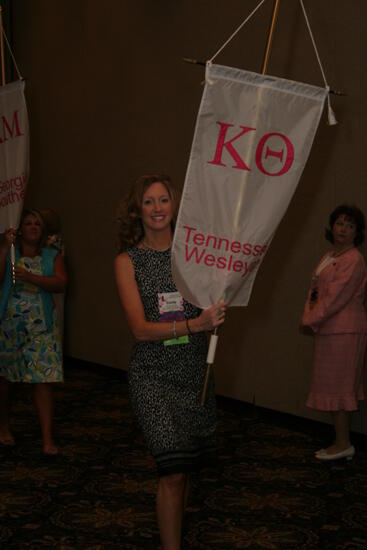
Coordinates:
<point>337,403</point>
<point>185,462</point>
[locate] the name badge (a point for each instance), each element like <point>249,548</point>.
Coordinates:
<point>171,308</point>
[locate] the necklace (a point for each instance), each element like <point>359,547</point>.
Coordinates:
<point>336,254</point>
<point>145,245</point>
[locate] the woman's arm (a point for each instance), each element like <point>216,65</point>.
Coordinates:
<point>51,283</point>
<point>144,330</point>
<point>9,237</point>
<point>340,291</point>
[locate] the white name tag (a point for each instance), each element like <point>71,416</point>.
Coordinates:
<point>171,308</point>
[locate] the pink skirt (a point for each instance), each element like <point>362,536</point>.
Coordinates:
<point>337,377</point>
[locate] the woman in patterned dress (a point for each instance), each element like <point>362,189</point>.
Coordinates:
<point>335,314</point>
<point>30,348</point>
<point>167,365</point>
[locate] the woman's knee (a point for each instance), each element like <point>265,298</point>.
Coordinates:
<point>173,482</point>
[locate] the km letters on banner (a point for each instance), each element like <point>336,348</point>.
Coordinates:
<point>252,139</point>
<point>14,153</point>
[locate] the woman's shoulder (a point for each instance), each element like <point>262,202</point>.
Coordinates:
<point>134,252</point>
<point>122,257</point>
<point>353,255</point>
<point>359,258</point>
<point>351,260</point>
<point>127,256</point>
<point>357,253</point>
<point>131,251</point>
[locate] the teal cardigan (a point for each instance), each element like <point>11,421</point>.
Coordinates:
<point>47,266</point>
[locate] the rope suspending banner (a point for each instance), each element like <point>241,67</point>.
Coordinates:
<point>331,116</point>
<point>236,31</point>
<point>3,35</point>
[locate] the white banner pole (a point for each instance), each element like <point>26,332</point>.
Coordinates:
<point>12,259</point>
<point>209,363</point>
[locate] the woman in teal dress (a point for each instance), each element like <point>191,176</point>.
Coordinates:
<point>30,348</point>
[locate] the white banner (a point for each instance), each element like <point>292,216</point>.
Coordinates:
<point>14,153</point>
<point>252,139</point>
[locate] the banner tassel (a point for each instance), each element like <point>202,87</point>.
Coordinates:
<point>330,113</point>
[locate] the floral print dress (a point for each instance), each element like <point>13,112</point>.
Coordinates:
<point>29,352</point>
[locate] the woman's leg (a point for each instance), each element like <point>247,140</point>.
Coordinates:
<point>341,424</point>
<point>170,508</point>
<point>186,492</point>
<point>341,420</point>
<point>43,399</point>
<point>6,437</point>
<point>185,495</point>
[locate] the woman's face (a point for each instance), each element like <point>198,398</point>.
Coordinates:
<point>344,231</point>
<point>31,229</point>
<point>156,208</point>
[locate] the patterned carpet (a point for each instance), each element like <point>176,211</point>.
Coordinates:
<point>268,491</point>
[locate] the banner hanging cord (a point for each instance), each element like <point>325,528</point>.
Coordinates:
<point>236,31</point>
<point>11,54</point>
<point>331,115</point>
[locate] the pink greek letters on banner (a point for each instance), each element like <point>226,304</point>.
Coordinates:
<point>252,139</point>
<point>239,162</point>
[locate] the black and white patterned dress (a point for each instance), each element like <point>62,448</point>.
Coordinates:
<point>165,381</point>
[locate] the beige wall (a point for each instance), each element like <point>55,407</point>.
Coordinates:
<point>109,98</point>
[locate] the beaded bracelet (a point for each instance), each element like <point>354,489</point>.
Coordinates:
<point>188,327</point>
<point>174,329</point>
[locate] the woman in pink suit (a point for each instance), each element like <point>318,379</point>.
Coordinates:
<point>335,314</point>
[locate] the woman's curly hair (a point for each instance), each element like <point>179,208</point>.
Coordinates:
<point>353,214</point>
<point>130,229</point>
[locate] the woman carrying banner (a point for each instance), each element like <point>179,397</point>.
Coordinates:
<point>29,345</point>
<point>167,365</point>
<point>335,314</point>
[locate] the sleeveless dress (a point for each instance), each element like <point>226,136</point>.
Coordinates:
<point>29,352</point>
<point>165,381</point>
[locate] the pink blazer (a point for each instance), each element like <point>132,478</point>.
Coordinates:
<point>341,289</point>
